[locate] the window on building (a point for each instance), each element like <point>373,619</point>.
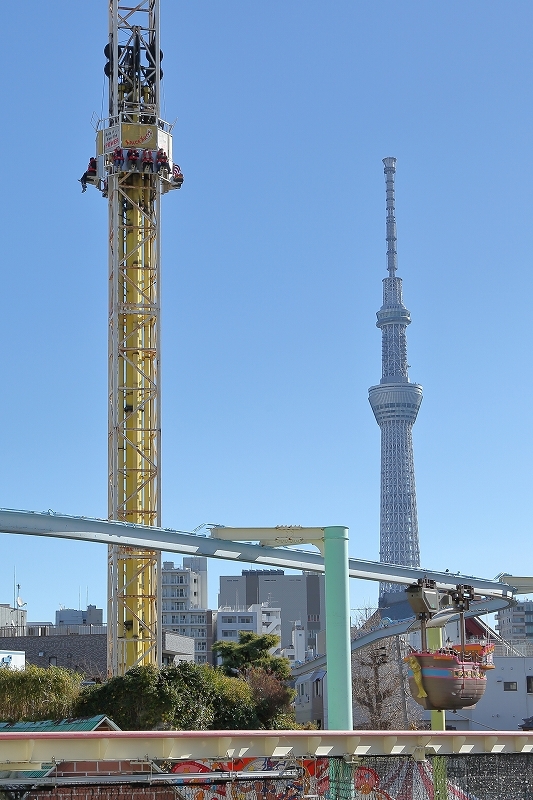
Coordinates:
<point>317,688</point>
<point>200,659</point>
<point>229,634</point>
<point>52,661</point>
<point>228,620</point>
<point>246,620</point>
<point>201,645</point>
<point>313,617</point>
<point>171,606</point>
<point>172,579</point>
<point>171,591</point>
<point>510,686</point>
<point>529,684</point>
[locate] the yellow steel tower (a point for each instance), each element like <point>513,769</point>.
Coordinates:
<point>134,168</point>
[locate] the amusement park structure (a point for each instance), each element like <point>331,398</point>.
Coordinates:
<point>395,403</point>
<point>133,168</point>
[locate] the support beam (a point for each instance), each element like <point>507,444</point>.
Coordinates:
<point>37,748</point>
<point>89,529</point>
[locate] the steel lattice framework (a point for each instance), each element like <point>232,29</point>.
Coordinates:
<point>134,187</point>
<point>395,403</point>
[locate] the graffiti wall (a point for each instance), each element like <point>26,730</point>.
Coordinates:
<point>491,777</point>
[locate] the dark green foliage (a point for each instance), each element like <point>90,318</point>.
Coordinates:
<point>182,697</point>
<point>265,674</point>
<point>252,650</point>
<point>233,703</point>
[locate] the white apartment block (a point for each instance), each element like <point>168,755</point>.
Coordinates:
<point>257,619</point>
<point>184,604</point>
<point>297,651</point>
<point>515,624</point>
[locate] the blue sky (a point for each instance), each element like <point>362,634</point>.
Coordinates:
<point>273,255</point>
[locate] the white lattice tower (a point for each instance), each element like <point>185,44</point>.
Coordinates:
<point>395,403</point>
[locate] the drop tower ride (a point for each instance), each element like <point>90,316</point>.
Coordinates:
<point>134,187</point>
<point>395,403</point>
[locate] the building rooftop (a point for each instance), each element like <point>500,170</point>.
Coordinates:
<point>100,722</point>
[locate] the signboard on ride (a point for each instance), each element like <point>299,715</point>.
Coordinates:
<point>130,134</point>
<point>111,138</point>
<point>139,136</point>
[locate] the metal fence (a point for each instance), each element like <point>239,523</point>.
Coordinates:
<point>14,631</point>
<point>463,777</point>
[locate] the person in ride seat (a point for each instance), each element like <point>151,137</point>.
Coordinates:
<point>90,172</point>
<point>177,174</point>
<point>162,160</point>
<point>118,157</point>
<point>147,160</point>
<point>133,157</point>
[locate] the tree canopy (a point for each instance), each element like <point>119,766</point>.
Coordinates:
<point>185,696</point>
<point>182,697</point>
<point>252,651</point>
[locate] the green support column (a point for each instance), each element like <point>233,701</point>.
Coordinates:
<point>438,723</point>
<point>438,718</point>
<point>338,646</point>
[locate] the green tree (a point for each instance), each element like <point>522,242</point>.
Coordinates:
<point>252,651</point>
<point>37,693</point>
<point>233,703</point>
<point>182,697</point>
<point>272,698</point>
<point>265,674</point>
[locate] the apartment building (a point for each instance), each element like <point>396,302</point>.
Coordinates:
<point>184,604</point>
<point>257,619</point>
<point>515,623</point>
<point>300,597</point>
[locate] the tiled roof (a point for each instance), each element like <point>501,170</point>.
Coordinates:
<point>61,725</point>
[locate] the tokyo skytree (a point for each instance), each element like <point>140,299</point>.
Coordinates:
<point>395,403</point>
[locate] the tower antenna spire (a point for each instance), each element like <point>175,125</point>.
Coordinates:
<point>392,255</point>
